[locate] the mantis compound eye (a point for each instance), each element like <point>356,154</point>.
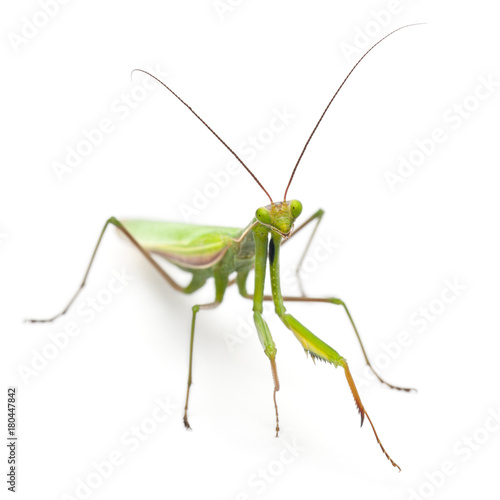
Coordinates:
<point>263,215</point>
<point>295,208</point>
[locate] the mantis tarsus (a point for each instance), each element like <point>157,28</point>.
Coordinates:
<point>217,252</point>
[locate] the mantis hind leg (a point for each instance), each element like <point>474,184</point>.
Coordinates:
<point>196,309</point>
<point>194,285</point>
<point>221,283</point>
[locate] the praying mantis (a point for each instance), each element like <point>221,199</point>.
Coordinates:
<point>220,252</point>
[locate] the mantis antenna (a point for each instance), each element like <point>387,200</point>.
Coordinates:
<point>335,95</point>
<point>209,128</point>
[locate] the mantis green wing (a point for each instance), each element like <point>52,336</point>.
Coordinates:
<point>188,246</point>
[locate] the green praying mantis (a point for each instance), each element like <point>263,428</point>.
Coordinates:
<point>219,252</point>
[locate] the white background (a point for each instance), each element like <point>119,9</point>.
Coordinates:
<point>396,248</point>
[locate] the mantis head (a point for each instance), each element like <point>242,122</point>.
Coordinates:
<point>279,217</point>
